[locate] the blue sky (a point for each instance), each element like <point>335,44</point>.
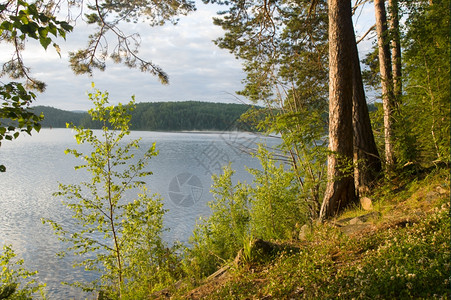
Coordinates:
<point>198,69</point>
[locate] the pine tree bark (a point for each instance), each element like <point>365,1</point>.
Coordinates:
<point>366,156</point>
<point>340,189</point>
<point>395,49</point>
<point>386,79</point>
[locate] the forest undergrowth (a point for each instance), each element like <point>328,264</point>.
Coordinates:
<point>400,251</point>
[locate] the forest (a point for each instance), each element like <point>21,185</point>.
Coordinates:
<point>353,204</point>
<point>160,116</point>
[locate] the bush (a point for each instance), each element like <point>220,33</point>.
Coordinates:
<point>219,237</point>
<point>117,237</point>
<point>17,282</point>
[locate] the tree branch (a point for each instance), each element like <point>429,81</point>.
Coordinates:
<point>366,33</point>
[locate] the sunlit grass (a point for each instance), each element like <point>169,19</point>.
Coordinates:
<point>406,254</point>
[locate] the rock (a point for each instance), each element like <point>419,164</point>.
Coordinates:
<point>342,222</point>
<point>354,229</point>
<point>366,203</point>
<point>369,216</point>
<point>442,191</point>
<point>356,220</point>
<point>305,229</point>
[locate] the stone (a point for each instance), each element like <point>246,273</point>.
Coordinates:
<point>351,230</point>
<point>354,221</point>
<point>305,229</point>
<point>342,222</point>
<point>366,203</point>
<point>369,216</point>
<point>441,190</point>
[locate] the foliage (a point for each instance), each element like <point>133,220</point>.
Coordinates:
<point>402,262</point>
<point>403,256</point>
<point>160,116</point>
<point>398,264</point>
<point>15,281</point>
<point>276,205</point>
<point>21,20</point>
<point>303,145</point>
<point>13,118</point>
<point>284,48</point>
<point>422,114</point>
<point>58,118</point>
<point>425,110</point>
<point>40,20</point>
<point>119,234</point>
<point>107,16</point>
<point>282,43</point>
<point>188,115</point>
<point>371,75</point>
<point>269,208</point>
<point>219,237</point>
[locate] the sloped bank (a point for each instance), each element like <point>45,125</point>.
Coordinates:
<point>400,249</point>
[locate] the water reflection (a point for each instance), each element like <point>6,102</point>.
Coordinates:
<point>36,164</point>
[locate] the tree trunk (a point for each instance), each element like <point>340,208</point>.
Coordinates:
<point>386,79</point>
<point>395,49</point>
<point>340,190</point>
<point>367,161</point>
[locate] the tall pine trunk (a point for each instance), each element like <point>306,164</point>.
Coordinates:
<point>386,80</point>
<point>366,157</point>
<point>395,48</point>
<point>340,189</point>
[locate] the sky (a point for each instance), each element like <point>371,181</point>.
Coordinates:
<point>197,68</point>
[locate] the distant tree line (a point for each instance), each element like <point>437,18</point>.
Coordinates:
<point>160,116</point>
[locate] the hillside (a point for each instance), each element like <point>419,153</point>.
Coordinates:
<point>397,249</point>
<point>58,118</point>
<point>160,116</point>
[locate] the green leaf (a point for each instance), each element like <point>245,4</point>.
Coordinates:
<point>32,10</point>
<point>52,29</point>
<point>43,32</point>
<point>66,26</point>
<point>6,25</point>
<point>45,42</point>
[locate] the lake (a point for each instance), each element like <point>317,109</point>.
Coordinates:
<point>181,175</point>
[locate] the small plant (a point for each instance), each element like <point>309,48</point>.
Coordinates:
<point>218,238</point>
<point>119,235</point>
<point>275,203</point>
<point>247,249</point>
<point>17,282</point>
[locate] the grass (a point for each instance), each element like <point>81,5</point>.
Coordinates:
<point>404,254</point>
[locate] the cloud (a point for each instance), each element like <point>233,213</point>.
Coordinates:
<point>197,69</point>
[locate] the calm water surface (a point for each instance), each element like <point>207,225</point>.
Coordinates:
<point>181,175</point>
